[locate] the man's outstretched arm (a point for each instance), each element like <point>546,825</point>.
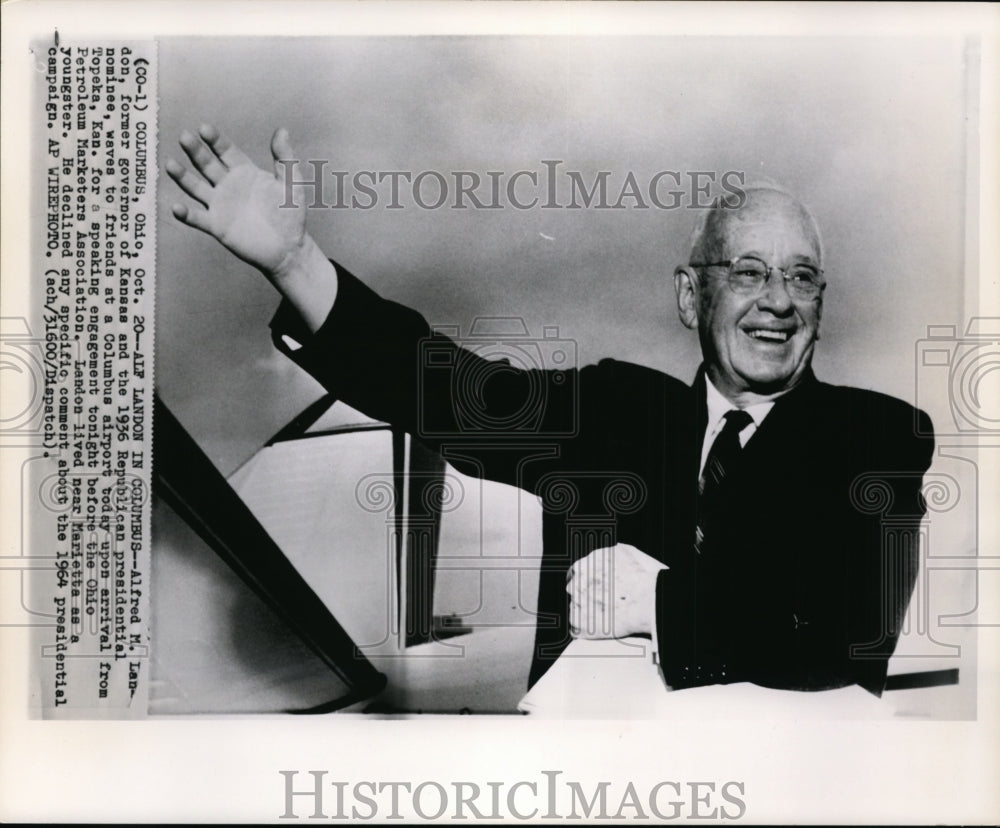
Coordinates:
<point>240,205</point>
<point>376,355</point>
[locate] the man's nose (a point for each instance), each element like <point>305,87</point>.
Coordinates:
<point>774,297</point>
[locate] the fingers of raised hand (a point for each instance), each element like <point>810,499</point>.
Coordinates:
<point>196,217</point>
<point>203,157</point>
<point>190,183</point>
<point>281,152</point>
<point>230,154</point>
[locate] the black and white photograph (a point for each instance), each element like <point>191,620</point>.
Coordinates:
<point>582,416</point>
<point>555,313</point>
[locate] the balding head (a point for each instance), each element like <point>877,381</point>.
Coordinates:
<point>763,205</point>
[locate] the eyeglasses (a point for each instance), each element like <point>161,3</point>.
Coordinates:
<point>748,275</point>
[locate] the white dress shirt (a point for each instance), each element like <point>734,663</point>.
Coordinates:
<point>718,407</point>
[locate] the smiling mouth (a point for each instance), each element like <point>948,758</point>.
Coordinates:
<point>768,335</point>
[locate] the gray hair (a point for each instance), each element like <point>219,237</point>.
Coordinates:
<point>721,206</point>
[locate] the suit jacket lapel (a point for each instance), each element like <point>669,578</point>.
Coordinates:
<point>789,420</point>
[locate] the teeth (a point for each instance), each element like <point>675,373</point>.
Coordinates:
<point>769,336</point>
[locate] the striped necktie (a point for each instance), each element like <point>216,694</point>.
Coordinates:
<point>721,459</point>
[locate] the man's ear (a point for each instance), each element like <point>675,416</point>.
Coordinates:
<point>685,286</point>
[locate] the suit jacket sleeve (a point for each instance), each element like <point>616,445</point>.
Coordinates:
<point>489,418</point>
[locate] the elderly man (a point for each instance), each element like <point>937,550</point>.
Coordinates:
<point>752,539</point>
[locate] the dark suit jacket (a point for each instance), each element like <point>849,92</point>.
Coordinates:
<point>805,584</point>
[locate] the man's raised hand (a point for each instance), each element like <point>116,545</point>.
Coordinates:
<point>249,212</point>
<point>238,203</point>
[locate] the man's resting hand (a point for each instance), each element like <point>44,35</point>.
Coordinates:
<point>240,205</point>
<point>613,593</point>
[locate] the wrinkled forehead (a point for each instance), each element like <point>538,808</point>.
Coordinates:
<point>769,223</point>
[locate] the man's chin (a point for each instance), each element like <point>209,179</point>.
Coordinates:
<point>765,382</point>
